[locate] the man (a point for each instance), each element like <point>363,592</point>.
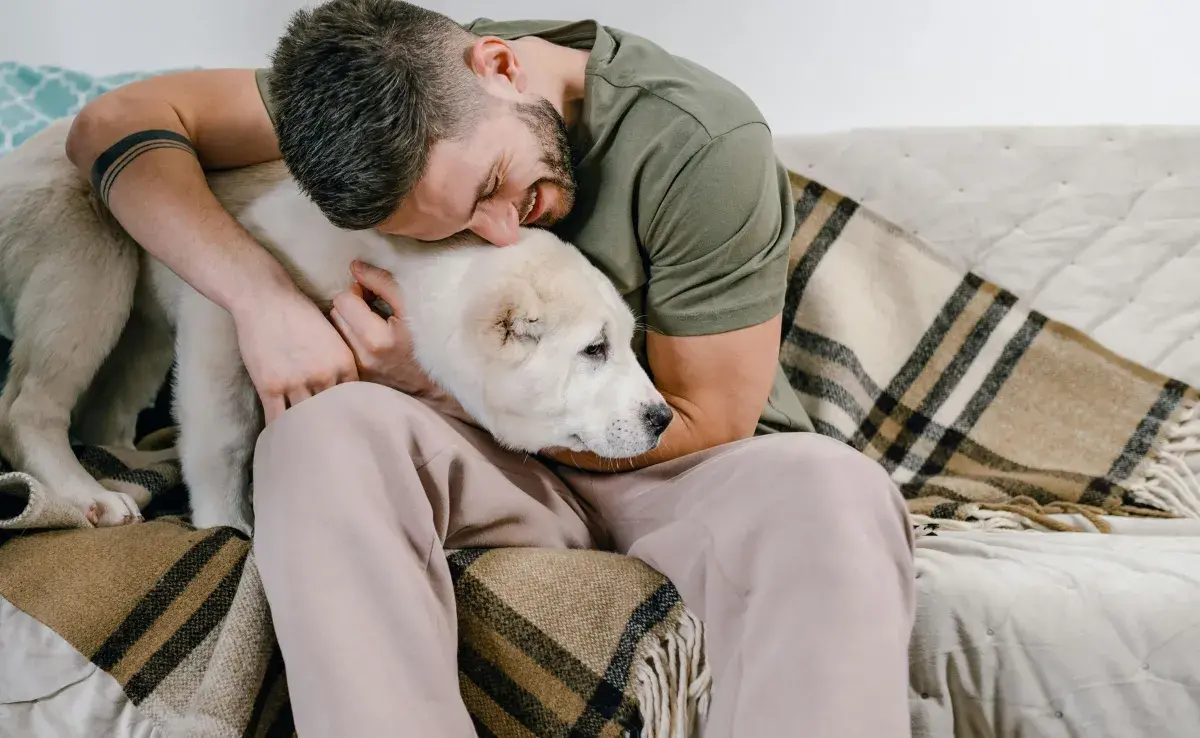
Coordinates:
<point>794,549</point>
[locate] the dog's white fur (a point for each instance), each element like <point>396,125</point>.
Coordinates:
<point>506,331</point>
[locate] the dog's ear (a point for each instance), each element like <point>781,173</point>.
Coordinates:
<point>518,317</point>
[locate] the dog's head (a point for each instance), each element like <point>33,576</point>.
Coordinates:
<point>558,371</point>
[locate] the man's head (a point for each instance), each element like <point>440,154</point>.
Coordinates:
<point>394,117</point>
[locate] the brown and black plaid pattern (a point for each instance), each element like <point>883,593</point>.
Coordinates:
<point>550,641</point>
<point>975,405</point>
<point>163,608</point>
<point>522,673</point>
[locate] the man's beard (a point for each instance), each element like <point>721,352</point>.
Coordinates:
<point>550,131</point>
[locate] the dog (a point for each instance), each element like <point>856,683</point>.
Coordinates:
<point>531,339</point>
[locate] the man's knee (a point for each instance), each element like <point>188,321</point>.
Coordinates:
<point>807,476</point>
<point>345,410</point>
<point>819,466</point>
<point>332,440</point>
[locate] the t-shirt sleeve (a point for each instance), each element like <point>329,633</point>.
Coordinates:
<point>718,243</point>
<point>261,78</point>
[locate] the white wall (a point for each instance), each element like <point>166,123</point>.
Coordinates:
<point>810,64</point>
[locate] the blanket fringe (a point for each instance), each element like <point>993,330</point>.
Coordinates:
<point>1025,513</point>
<point>974,518</point>
<point>673,682</point>
<point>1167,480</point>
<point>1167,485</point>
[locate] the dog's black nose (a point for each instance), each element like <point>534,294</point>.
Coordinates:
<point>657,417</point>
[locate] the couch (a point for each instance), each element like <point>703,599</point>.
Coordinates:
<point>1028,633</point>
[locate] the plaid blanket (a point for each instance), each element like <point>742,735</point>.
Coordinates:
<point>179,618</point>
<point>984,412</point>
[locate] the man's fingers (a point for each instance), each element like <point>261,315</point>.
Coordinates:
<point>364,330</point>
<point>355,312</point>
<point>318,385</point>
<point>363,293</point>
<point>360,350</point>
<point>349,372</point>
<point>346,367</point>
<point>344,328</point>
<point>368,297</point>
<point>298,395</point>
<point>379,281</point>
<point>273,407</point>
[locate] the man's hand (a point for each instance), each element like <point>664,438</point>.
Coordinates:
<point>383,347</point>
<point>291,351</point>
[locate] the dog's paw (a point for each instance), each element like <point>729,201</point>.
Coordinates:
<point>113,508</point>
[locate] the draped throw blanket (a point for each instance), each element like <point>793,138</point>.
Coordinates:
<point>984,412</point>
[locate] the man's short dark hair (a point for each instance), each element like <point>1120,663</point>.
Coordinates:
<point>362,89</point>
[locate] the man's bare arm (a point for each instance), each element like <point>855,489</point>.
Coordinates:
<point>162,199</point>
<point>717,385</point>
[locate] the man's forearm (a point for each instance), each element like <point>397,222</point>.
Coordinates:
<point>162,199</point>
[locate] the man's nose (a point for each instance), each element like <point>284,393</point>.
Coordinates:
<point>498,223</point>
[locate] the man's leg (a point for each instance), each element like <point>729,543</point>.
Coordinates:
<point>357,491</point>
<point>795,551</point>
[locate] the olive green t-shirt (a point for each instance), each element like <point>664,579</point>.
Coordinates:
<point>681,200</point>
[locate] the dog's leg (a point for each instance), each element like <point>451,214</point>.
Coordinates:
<point>54,358</point>
<point>218,414</point>
<point>128,381</point>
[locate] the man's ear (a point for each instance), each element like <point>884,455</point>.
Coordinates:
<point>494,61</point>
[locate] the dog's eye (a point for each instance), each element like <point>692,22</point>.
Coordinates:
<point>597,350</point>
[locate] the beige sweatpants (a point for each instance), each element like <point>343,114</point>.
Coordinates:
<point>793,549</point>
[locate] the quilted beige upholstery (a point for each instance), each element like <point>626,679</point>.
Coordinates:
<point>1099,227</point>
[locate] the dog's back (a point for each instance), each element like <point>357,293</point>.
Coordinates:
<point>50,230</point>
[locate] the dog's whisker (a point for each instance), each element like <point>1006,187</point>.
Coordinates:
<point>646,328</point>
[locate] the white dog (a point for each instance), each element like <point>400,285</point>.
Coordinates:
<point>531,339</point>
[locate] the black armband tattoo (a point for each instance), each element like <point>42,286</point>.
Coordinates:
<point>112,162</point>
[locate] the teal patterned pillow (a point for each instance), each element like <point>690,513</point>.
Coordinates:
<point>32,97</point>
